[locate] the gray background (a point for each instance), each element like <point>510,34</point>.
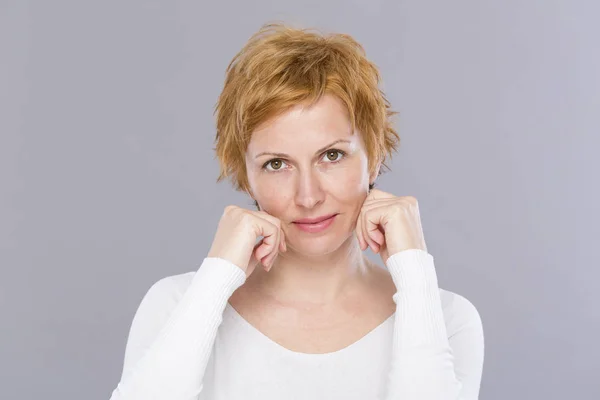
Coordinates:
<point>108,175</point>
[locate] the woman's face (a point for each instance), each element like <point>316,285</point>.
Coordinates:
<point>307,163</point>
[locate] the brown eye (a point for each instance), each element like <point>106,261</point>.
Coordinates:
<point>332,155</point>
<point>275,164</point>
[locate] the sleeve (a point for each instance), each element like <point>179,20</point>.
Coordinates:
<point>427,363</point>
<point>170,339</point>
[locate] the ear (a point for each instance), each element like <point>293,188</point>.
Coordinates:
<point>249,192</point>
<point>375,174</point>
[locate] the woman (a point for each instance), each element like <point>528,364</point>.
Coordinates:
<point>285,305</point>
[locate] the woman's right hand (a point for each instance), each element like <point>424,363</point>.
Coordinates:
<point>237,234</point>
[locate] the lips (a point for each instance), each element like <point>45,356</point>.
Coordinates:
<point>314,220</point>
<point>315,225</point>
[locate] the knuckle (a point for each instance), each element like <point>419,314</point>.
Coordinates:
<point>399,211</point>
<point>246,217</point>
<point>411,199</point>
<point>273,220</point>
<point>229,209</point>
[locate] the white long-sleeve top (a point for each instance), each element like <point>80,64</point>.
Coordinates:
<point>186,342</point>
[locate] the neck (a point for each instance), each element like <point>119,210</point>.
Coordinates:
<point>299,279</point>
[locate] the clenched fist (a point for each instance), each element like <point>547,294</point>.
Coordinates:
<point>236,237</point>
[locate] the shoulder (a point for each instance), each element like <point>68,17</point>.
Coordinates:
<point>459,312</point>
<point>216,276</point>
<point>163,295</point>
<point>158,302</point>
<point>152,313</point>
<point>172,286</point>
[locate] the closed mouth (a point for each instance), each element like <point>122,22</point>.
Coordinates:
<point>314,220</point>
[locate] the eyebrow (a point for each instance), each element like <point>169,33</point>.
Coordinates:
<point>322,149</point>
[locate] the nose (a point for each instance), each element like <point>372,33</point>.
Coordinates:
<point>309,191</point>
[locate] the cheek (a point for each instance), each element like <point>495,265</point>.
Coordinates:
<point>346,182</point>
<point>272,192</point>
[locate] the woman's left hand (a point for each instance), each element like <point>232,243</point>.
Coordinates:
<point>389,224</point>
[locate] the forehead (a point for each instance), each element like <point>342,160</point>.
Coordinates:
<point>304,127</point>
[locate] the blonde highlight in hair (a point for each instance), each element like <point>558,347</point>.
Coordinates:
<point>281,67</point>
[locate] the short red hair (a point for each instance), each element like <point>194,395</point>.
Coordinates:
<point>280,67</point>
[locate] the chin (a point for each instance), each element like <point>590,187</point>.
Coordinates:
<point>319,246</point>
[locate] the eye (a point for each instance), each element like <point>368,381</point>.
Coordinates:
<point>332,155</point>
<point>276,164</point>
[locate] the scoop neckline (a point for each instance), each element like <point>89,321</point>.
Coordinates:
<point>237,317</point>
